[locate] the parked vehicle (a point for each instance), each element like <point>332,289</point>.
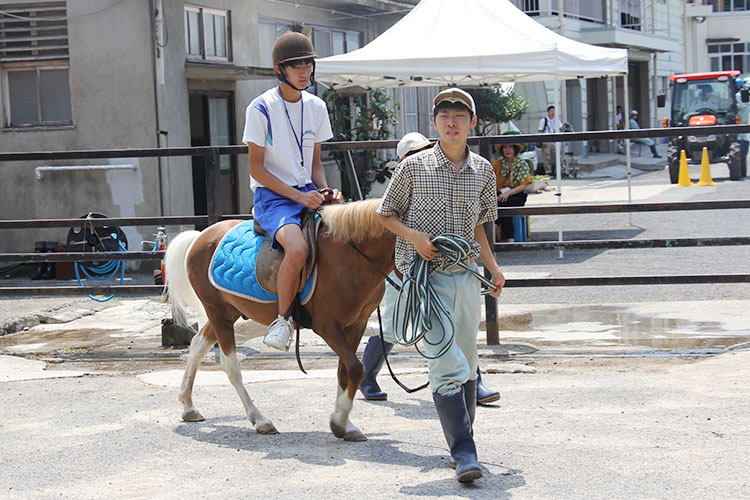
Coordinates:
<point>701,99</point>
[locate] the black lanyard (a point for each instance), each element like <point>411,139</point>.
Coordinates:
<point>298,140</point>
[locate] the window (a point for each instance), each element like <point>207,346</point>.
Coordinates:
<point>34,60</point>
<point>730,5</point>
<point>630,14</point>
<point>327,41</point>
<point>729,56</point>
<point>38,96</point>
<point>411,111</point>
<point>332,42</point>
<point>207,34</point>
<point>268,32</point>
<point>585,10</point>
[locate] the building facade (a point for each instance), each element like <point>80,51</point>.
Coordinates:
<point>717,35</point>
<point>107,74</point>
<point>652,33</point>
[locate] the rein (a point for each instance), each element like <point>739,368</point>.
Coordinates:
<point>368,259</point>
<point>380,324</point>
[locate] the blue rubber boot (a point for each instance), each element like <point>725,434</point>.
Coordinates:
<point>372,360</point>
<point>470,391</point>
<point>456,423</point>
<point>485,395</point>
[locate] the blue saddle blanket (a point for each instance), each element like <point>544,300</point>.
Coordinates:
<point>233,266</point>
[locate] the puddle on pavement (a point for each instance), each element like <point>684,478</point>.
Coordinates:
<point>73,341</point>
<point>615,325</point>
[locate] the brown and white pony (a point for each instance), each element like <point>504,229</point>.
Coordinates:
<point>348,290</point>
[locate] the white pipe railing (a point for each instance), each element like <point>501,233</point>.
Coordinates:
<point>39,171</point>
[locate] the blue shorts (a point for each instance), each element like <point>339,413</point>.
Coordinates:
<point>273,211</point>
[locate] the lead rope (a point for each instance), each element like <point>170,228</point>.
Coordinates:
<point>421,301</point>
<point>454,250</point>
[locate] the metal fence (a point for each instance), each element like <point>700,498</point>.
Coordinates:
<point>211,156</point>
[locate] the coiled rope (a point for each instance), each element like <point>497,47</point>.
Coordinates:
<point>421,301</point>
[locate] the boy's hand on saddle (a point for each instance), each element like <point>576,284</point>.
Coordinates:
<point>423,245</point>
<point>312,199</point>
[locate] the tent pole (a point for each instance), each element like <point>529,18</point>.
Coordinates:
<point>558,170</point>
<point>627,145</point>
<point>402,111</point>
<point>613,82</point>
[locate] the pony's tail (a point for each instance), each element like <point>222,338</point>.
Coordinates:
<point>178,287</point>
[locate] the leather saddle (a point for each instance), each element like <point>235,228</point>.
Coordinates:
<point>269,258</point>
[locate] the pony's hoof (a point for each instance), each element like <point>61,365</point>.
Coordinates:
<point>193,416</point>
<point>266,428</point>
<point>337,430</point>
<point>355,436</point>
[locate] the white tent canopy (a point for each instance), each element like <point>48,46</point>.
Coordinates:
<point>468,43</point>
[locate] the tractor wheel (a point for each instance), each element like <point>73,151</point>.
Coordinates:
<point>734,161</point>
<point>673,163</point>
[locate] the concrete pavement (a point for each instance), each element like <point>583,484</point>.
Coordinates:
<point>577,428</point>
<point>589,408</point>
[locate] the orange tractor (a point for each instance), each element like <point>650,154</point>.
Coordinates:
<point>703,99</point>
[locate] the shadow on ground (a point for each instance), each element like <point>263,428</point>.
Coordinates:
<point>318,448</point>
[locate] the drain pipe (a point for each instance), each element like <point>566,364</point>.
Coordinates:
<point>155,14</point>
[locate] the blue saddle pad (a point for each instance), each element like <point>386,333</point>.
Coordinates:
<point>233,266</point>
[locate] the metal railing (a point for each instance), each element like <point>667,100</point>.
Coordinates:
<point>211,156</point>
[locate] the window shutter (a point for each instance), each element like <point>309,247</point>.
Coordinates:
<point>33,32</point>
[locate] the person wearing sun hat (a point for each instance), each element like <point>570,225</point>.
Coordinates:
<point>513,175</point>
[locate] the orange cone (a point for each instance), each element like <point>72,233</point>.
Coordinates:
<point>705,179</point>
<point>684,178</point>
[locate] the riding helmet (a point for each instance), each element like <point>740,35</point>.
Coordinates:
<point>291,46</point>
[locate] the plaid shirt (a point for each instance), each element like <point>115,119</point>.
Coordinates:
<point>428,194</point>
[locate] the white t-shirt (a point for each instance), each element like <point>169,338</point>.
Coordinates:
<point>547,125</point>
<point>267,125</point>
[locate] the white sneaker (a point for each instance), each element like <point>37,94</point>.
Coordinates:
<point>279,334</point>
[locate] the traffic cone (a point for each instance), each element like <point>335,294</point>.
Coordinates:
<point>684,178</point>
<point>705,179</point>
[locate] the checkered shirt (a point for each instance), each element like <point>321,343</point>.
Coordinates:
<point>428,194</point>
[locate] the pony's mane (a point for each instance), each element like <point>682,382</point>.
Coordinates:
<point>354,221</point>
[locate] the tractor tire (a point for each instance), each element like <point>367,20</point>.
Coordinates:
<point>734,161</point>
<point>673,163</point>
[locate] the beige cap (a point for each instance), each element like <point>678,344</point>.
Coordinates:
<point>410,142</point>
<point>455,95</point>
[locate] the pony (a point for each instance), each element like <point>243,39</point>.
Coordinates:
<point>348,290</point>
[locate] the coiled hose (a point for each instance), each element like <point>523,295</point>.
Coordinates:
<point>102,272</point>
